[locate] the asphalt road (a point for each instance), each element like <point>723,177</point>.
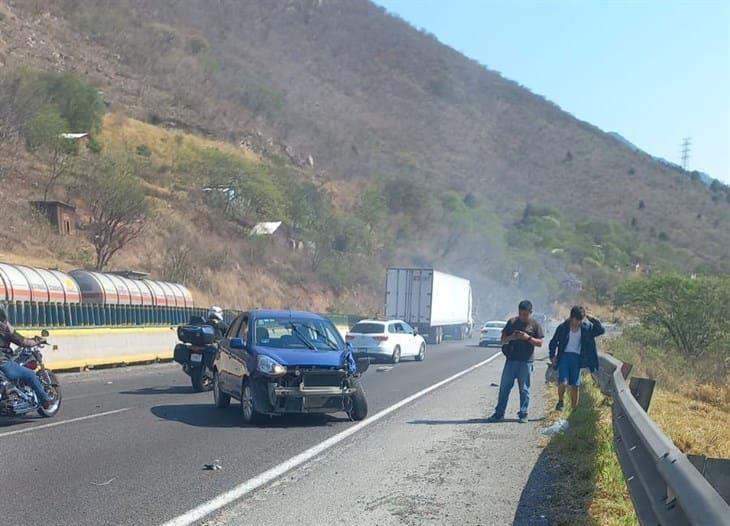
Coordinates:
<point>140,459</point>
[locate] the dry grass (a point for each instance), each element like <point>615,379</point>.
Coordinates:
<point>695,415</point>
<point>5,13</point>
<point>167,146</point>
<point>696,426</point>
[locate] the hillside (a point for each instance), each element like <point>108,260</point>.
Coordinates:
<point>349,99</point>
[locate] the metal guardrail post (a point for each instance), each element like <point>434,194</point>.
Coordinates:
<point>716,471</point>
<point>665,487</point>
<point>643,390</point>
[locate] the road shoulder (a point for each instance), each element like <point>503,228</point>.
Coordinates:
<point>435,461</point>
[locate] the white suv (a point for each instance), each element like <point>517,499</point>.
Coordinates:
<point>386,341</point>
<point>491,333</point>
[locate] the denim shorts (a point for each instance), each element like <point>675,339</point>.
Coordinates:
<point>569,369</point>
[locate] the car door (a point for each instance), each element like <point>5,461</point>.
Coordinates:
<point>393,337</point>
<point>401,338</point>
<point>411,340</point>
<point>224,362</point>
<point>239,358</point>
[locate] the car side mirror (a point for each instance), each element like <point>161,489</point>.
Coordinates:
<point>363,364</point>
<point>44,333</point>
<point>415,331</point>
<point>238,343</point>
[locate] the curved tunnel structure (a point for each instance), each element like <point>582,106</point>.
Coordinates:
<point>41,297</point>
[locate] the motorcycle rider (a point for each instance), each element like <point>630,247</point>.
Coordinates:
<point>215,320</point>
<point>12,370</point>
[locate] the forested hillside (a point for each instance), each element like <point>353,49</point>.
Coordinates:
<point>371,141</point>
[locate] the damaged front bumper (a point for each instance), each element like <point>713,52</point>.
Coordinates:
<point>304,391</point>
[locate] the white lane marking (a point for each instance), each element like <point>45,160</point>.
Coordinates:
<point>62,422</point>
<point>199,512</point>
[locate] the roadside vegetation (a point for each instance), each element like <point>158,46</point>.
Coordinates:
<point>587,485</point>
<point>679,337</point>
<point>682,342</point>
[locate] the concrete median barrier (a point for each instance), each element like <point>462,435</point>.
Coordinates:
<point>84,348</point>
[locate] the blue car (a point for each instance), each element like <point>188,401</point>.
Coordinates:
<point>277,362</point>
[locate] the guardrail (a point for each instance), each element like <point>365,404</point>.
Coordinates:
<point>665,488</point>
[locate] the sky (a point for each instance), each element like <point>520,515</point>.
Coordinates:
<point>654,71</point>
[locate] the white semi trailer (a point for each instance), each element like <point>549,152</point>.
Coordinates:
<point>437,304</point>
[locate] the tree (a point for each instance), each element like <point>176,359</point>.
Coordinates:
<point>261,100</point>
<point>119,208</point>
<point>43,136</point>
<point>600,281</point>
<point>457,217</point>
<point>78,103</point>
<point>306,205</point>
<point>691,312</point>
<point>372,207</point>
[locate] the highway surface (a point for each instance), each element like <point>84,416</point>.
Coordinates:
<point>130,445</point>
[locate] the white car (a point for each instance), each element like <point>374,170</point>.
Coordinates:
<point>386,341</point>
<point>491,333</point>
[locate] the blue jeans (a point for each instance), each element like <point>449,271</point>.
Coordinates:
<point>522,372</point>
<point>569,369</point>
<point>15,372</point>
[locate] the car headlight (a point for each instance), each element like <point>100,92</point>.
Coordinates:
<point>270,366</point>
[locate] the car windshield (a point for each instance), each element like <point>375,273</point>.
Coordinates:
<point>494,325</point>
<point>297,333</point>
<point>368,328</point>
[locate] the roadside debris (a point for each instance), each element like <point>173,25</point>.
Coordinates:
<point>558,427</point>
<point>384,368</point>
<point>104,483</point>
<point>215,466</point>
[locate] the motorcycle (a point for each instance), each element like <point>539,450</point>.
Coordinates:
<point>17,399</point>
<point>196,353</point>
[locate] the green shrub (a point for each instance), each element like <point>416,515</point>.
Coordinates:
<point>94,145</point>
<point>261,100</point>
<point>144,151</point>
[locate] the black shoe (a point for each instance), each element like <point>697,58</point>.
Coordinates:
<point>522,419</point>
<point>559,406</point>
<point>495,418</point>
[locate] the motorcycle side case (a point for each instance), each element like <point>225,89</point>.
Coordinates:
<point>198,335</point>
<point>181,354</point>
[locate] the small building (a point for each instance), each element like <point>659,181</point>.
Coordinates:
<point>62,216</point>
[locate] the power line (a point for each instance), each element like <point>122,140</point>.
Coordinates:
<point>686,146</point>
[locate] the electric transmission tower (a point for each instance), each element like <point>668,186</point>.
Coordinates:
<point>686,145</point>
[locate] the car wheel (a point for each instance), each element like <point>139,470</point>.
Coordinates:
<point>359,404</point>
<point>250,415</point>
<point>220,399</point>
<point>396,355</point>
<point>421,353</point>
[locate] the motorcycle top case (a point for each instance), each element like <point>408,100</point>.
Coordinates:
<point>198,335</point>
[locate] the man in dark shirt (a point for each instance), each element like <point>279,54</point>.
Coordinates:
<point>519,338</point>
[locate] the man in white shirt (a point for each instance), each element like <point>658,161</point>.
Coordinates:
<point>573,347</point>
